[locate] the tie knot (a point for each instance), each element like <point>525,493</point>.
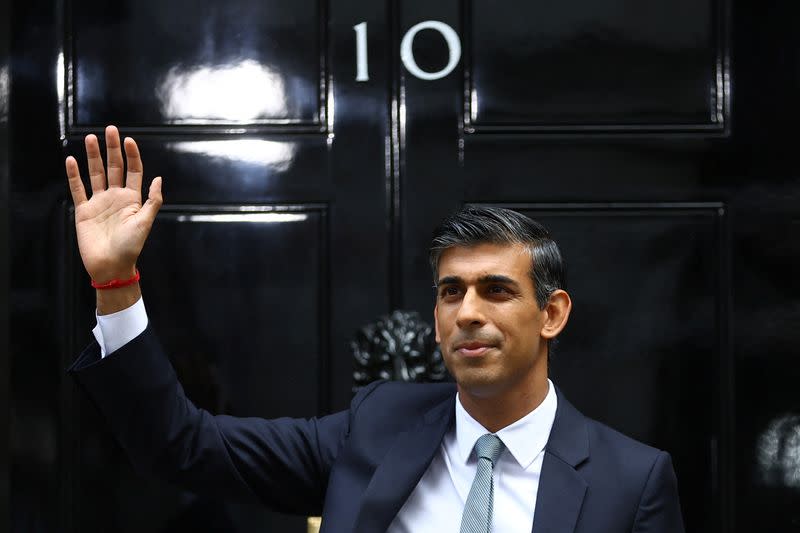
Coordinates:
<point>489,447</point>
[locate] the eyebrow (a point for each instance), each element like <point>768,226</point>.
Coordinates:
<point>490,278</point>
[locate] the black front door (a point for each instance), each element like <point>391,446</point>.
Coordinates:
<point>308,149</point>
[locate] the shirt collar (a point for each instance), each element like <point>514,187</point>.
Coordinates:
<point>524,439</point>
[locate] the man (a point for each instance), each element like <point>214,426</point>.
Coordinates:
<point>501,450</point>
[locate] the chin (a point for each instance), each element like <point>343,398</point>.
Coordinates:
<point>480,384</point>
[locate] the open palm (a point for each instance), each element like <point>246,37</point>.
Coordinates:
<point>113,225</point>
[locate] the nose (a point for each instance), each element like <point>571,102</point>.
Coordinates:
<point>470,312</point>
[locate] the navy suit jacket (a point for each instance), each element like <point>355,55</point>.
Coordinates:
<point>356,468</point>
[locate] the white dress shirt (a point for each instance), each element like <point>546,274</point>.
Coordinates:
<point>436,503</point>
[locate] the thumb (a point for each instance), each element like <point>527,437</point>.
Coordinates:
<point>154,201</point>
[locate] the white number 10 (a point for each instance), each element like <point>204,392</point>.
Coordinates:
<point>407,52</point>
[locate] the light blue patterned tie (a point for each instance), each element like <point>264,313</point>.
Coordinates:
<point>477,517</point>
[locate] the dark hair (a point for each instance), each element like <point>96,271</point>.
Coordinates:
<point>479,224</point>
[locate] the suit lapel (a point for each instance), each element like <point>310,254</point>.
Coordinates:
<point>401,469</point>
<point>561,487</point>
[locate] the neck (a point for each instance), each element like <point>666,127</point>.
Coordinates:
<point>494,412</point>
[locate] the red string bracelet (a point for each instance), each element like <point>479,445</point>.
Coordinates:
<point>117,283</point>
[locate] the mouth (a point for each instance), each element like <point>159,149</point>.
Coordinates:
<point>473,349</point>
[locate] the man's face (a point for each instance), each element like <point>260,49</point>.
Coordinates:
<point>487,321</point>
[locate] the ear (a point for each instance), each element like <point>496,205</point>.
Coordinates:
<point>556,314</point>
<point>436,322</point>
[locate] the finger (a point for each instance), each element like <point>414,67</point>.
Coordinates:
<point>154,200</point>
<point>134,177</point>
<point>75,183</point>
<point>97,173</point>
<point>116,166</point>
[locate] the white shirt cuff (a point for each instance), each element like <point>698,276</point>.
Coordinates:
<point>118,329</point>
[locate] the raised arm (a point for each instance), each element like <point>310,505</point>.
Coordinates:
<point>285,463</point>
<point>113,224</point>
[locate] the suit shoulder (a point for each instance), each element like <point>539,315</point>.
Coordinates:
<point>401,394</point>
<point>626,479</point>
<point>394,402</point>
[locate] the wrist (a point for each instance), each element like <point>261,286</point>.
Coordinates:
<point>116,283</point>
<point>108,274</point>
<point>111,301</point>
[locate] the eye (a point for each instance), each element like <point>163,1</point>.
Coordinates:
<point>499,292</point>
<point>449,290</point>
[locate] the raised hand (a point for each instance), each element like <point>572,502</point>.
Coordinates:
<point>113,225</point>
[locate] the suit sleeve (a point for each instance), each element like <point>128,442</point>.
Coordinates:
<point>659,507</point>
<point>285,463</point>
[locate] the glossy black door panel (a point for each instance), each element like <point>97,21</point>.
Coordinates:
<point>585,64</point>
<point>562,168</point>
<point>220,308</point>
<point>157,63</point>
<point>767,340</point>
<point>641,219</point>
<point>255,212</point>
<point>644,351</point>
<point>244,170</point>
